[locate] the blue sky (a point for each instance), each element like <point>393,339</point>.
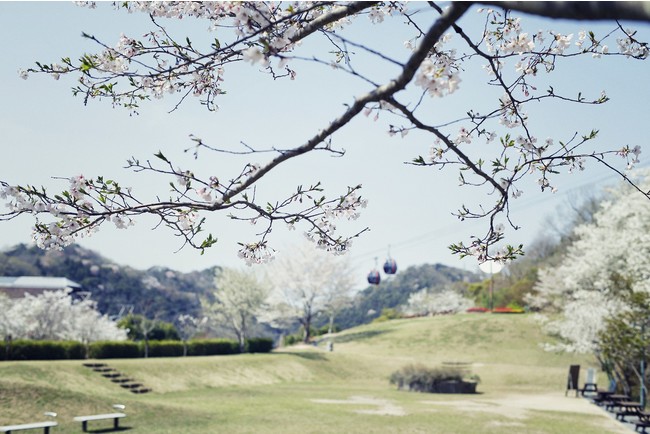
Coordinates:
<point>47,133</point>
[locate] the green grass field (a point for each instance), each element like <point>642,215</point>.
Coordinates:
<point>310,390</point>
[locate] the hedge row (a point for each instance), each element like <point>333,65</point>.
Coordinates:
<point>44,350</point>
<point>56,350</point>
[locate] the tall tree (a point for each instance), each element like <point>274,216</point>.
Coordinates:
<point>607,263</point>
<point>306,283</point>
<point>188,326</point>
<point>236,301</point>
<point>400,91</point>
<point>624,344</point>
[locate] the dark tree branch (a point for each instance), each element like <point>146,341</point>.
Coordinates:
<point>607,10</point>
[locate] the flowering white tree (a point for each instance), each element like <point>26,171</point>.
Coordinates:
<point>306,283</point>
<point>583,318</point>
<point>9,324</point>
<point>425,302</point>
<point>237,300</point>
<point>609,258</point>
<point>403,92</point>
<point>56,315</point>
<point>188,326</point>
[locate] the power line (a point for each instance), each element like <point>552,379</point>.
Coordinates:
<point>523,205</point>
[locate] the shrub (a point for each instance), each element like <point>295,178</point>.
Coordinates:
<point>212,347</point>
<point>507,310</point>
<point>323,330</point>
<point>113,350</point>
<point>448,379</point>
<point>164,348</point>
<point>292,339</point>
<point>259,345</point>
<point>74,350</point>
<point>24,349</point>
<point>161,330</point>
<point>387,314</point>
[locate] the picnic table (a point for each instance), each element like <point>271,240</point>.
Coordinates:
<point>614,400</point>
<point>628,408</point>
<point>602,396</point>
<point>643,422</point>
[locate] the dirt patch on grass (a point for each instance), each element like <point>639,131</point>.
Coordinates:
<point>517,407</point>
<point>382,407</point>
<point>472,406</point>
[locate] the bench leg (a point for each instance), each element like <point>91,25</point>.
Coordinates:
<point>84,426</point>
<point>46,430</point>
<point>116,423</point>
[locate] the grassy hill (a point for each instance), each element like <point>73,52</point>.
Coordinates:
<point>310,390</point>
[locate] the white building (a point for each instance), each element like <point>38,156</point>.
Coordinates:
<point>16,287</point>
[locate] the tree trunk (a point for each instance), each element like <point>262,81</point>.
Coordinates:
<point>242,334</point>
<point>8,340</point>
<point>307,331</point>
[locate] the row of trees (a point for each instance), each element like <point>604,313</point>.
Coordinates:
<point>308,284</point>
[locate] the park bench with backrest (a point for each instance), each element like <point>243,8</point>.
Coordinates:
<point>115,416</point>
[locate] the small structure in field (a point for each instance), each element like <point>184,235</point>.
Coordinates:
<point>451,378</point>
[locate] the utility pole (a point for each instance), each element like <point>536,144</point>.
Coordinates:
<point>491,267</point>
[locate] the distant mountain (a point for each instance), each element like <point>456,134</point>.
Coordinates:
<point>116,288</point>
<point>395,291</point>
<point>168,293</point>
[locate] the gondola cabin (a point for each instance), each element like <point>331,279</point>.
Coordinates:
<point>374,278</point>
<point>390,266</point>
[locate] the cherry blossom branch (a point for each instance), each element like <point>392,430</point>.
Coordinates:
<point>134,71</point>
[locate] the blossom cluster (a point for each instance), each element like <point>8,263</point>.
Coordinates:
<point>256,253</point>
<point>323,231</point>
<point>439,74</point>
<point>52,235</point>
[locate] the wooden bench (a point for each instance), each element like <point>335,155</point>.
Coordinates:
<point>26,426</point>
<point>115,416</point>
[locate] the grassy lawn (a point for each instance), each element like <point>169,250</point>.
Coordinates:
<point>310,390</point>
